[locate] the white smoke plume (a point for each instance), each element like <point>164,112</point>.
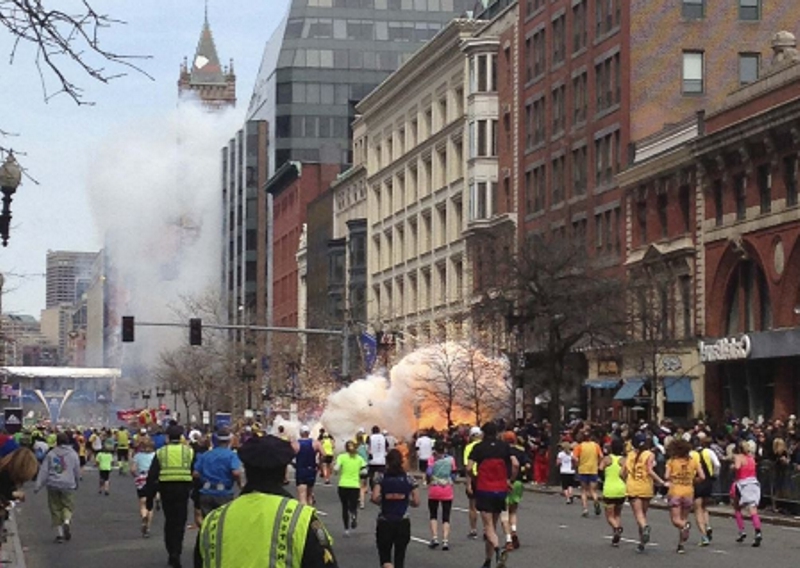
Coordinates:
<point>155,191</point>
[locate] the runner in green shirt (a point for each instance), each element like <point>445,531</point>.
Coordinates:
<point>104,459</point>
<point>349,466</point>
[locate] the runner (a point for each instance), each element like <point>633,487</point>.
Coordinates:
<point>588,455</point>
<point>394,491</point>
<point>349,465</point>
<point>475,436</point>
<point>96,442</point>
<point>566,467</point>
<point>60,473</point>
<point>495,467</point>
<point>509,518</point>
<point>123,449</point>
<point>746,491</point>
<point>377,454</point>
<point>639,474</point>
<point>307,454</point>
<point>703,491</point>
<point>682,472</point>
<point>614,488</point>
<point>424,446</point>
<point>139,468</point>
<point>328,445</point>
<point>440,472</point>
<point>363,451</point>
<point>104,461</point>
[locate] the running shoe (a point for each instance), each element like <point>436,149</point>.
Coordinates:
<point>433,543</point>
<point>353,521</point>
<point>710,534</point>
<point>445,545</point>
<point>741,538</point>
<point>59,539</point>
<point>685,531</point>
<point>646,534</point>
<point>515,541</point>
<point>346,532</point>
<point>473,535</point>
<point>617,537</point>
<point>596,507</point>
<point>681,549</point>
<point>585,513</point>
<point>68,532</point>
<point>757,541</point>
<point>501,556</point>
<point>704,541</point>
<point>509,547</point>
<point>640,547</point>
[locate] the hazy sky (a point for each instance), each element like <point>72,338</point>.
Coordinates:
<point>59,138</point>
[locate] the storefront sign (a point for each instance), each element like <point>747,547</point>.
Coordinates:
<point>725,349</point>
<point>607,367</point>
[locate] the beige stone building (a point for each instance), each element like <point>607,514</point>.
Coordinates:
<point>421,144</point>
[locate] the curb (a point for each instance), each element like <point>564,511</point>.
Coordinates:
<point>714,511</point>
<point>12,554</point>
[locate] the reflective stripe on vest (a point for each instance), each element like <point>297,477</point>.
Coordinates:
<point>256,530</point>
<point>176,463</point>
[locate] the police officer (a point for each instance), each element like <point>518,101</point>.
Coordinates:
<point>264,526</point>
<point>170,475</point>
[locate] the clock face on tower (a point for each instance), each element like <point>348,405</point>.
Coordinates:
<point>200,61</point>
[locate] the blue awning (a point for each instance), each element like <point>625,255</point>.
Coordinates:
<point>678,389</point>
<point>602,383</point>
<point>630,389</point>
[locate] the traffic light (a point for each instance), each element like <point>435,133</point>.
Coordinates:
<point>127,329</point>
<point>195,331</point>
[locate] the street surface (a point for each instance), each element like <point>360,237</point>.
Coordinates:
<point>106,533</point>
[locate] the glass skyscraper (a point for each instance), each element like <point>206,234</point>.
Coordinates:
<point>324,57</point>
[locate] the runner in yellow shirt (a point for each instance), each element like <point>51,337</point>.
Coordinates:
<point>639,474</point>
<point>682,471</point>
<point>588,455</point>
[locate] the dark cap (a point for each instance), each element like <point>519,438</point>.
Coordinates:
<point>224,434</point>
<point>266,452</point>
<point>175,432</point>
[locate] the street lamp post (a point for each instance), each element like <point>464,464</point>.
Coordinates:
<point>160,394</point>
<point>10,177</point>
<point>146,397</point>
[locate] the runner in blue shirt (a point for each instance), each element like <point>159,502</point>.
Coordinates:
<point>217,471</point>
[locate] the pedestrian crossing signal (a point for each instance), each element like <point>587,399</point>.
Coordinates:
<point>127,329</point>
<point>195,331</point>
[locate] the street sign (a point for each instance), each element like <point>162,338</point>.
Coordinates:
<point>206,417</point>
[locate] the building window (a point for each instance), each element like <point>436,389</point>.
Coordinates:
<point>765,188</point>
<point>579,98</point>
<point>790,179</point>
<point>529,59</point>
<point>558,110</point>
<point>693,9</point>
<point>539,53</point>
<point>481,200</point>
<point>539,117</point>
<point>539,184</point>
<point>598,230</point>
<point>748,67</point>
<point>662,204</point>
<point>605,13</point>
<point>558,181</point>
<point>528,126</point>
<point>719,211</point>
<point>641,219</point>
<point>684,197</point>
<point>579,26</point>
<point>692,72</point>
<point>607,82</point>
<point>483,138</point>
<point>579,172</point>
<point>604,160</point>
<point>750,10</point>
<point>740,188</point>
<point>559,39</point>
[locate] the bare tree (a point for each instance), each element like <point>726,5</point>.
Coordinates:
<point>560,302</point>
<point>487,388</point>
<point>445,377</point>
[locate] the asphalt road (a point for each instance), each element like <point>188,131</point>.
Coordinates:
<point>106,533</point>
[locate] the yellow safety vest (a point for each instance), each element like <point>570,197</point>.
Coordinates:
<point>254,531</point>
<point>176,462</point>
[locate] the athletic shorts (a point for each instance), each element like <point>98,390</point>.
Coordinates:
<point>490,503</point>
<point>82,460</point>
<point>514,497</point>
<point>704,489</point>
<point>567,480</point>
<point>682,502</point>
<point>327,459</point>
<point>614,501</point>
<point>308,481</point>
<point>122,455</point>
<point>104,475</point>
<point>141,493</point>
<point>588,478</point>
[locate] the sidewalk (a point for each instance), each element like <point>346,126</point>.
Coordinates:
<point>714,510</point>
<point>11,554</point>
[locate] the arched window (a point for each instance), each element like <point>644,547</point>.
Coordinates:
<point>747,301</point>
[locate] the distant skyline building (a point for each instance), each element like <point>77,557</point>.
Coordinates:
<point>325,56</point>
<point>68,275</point>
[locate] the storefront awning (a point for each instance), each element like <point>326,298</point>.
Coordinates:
<point>602,383</point>
<point>630,389</point>
<point>678,389</point>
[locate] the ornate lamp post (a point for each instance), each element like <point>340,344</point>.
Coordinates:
<point>146,394</point>
<point>160,394</point>
<point>10,177</point>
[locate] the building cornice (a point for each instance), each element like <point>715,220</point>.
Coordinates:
<point>285,175</point>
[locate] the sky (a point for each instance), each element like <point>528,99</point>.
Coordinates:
<point>59,143</point>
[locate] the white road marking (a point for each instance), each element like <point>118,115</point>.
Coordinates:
<point>461,510</point>
<point>717,551</point>
<point>322,513</point>
<point>631,541</point>
<point>422,540</point>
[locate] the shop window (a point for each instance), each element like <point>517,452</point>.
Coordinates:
<point>748,305</point>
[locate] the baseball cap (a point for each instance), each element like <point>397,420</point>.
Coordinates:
<point>639,439</point>
<point>304,429</point>
<point>224,434</point>
<point>475,431</point>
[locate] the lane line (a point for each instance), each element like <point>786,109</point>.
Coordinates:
<point>421,540</point>
<point>631,541</point>
<point>459,509</point>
